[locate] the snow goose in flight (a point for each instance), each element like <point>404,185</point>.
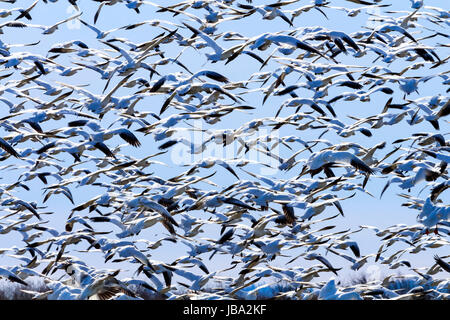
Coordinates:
<point>267,38</point>
<point>356,264</point>
<point>432,214</point>
<point>408,84</point>
<point>198,282</point>
<point>105,73</point>
<point>210,162</point>
<point>16,24</point>
<point>153,23</point>
<point>330,292</point>
<point>105,288</point>
<point>268,12</point>
<point>353,245</point>
<point>441,13</point>
<point>4,13</point>
<point>100,34</point>
<point>46,29</point>
<point>26,12</point>
<point>437,190</point>
<point>65,47</point>
<point>72,2</point>
<point>4,273</point>
<point>362,95</point>
<point>97,103</point>
<point>434,116</point>
<point>353,12</point>
<point>15,59</point>
<point>192,260</point>
<point>143,202</point>
<point>341,129</point>
<point>130,251</point>
<point>298,102</point>
<point>298,11</point>
<point>416,4</point>
<point>133,64</point>
<point>89,283</point>
<point>390,27</point>
<point>101,135</point>
<point>219,52</point>
<point>51,29</point>
<point>109,3</point>
<point>420,172</point>
<point>184,81</point>
<point>337,37</point>
<point>57,291</point>
<point>390,54</point>
<point>444,265</point>
<point>8,148</point>
<point>321,160</point>
<point>324,261</point>
<point>21,205</point>
<point>366,3</point>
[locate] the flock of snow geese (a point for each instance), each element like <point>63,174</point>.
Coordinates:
<point>66,111</point>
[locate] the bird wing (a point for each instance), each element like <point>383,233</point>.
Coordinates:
<point>444,265</point>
